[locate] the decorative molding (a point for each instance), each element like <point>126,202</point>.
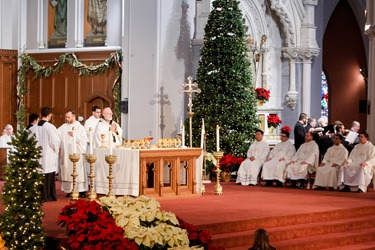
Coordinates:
<point>280,9</point>
<point>311,2</point>
<point>291,98</point>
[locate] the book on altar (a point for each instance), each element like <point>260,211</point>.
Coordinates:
<point>351,137</point>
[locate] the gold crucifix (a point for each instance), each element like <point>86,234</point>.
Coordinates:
<point>190,91</point>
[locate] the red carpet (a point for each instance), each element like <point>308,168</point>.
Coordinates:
<point>296,219</point>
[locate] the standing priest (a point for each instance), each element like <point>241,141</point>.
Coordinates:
<point>73,140</point>
<point>106,130</point>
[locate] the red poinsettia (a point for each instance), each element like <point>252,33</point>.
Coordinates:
<point>286,129</point>
<point>262,94</point>
<point>197,237</point>
<point>89,227</point>
<point>230,163</point>
<point>273,120</point>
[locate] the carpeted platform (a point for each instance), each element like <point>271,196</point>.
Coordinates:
<point>295,218</point>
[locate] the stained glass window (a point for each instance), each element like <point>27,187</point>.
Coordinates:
<point>324,95</point>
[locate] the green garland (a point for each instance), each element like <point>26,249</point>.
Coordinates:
<point>29,63</point>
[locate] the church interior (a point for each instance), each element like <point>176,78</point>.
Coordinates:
<point>137,56</point>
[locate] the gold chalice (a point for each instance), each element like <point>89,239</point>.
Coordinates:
<point>102,137</point>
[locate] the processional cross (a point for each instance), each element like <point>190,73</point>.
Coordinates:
<point>190,91</point>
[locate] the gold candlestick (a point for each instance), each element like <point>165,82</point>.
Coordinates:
<point>91,158</point>
<point>110,159</point>
<point>74,158</point>
<point>218,189</point>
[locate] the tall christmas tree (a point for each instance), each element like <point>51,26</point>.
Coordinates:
<point>21,221</point>
<point>224,76</point>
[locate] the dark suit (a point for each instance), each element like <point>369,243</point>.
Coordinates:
<point>299,135</point>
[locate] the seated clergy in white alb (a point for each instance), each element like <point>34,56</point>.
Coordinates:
<point>305,159</point>
<point>256,155</point>
<point>274,168</point>
<point>356,173</point>
<point>327,172</point>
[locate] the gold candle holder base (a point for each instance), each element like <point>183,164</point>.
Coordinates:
<point>74,195</point>
<point>218,189</point>
<point>91,158</point>
<point>110,159</point>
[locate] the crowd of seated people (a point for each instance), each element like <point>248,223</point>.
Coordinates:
<point>329,158</point>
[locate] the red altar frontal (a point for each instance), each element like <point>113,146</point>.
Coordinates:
<point>152,172</point>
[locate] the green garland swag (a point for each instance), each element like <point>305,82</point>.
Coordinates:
<point>29,63</point>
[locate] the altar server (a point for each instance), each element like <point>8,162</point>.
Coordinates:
<point>48,138</point>
<point>356,173</point>
<point>306,159</point>
<point>327,172</point>
<point>281,154</point>
<point>73,141</point>
<point>256,155</point>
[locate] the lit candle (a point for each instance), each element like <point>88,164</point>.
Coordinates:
<point>110,142</point>
<point>183,136</point>
<point>90,142</point>
<point>217,138</point>
<point>202,133</point>
<point>74,141</point>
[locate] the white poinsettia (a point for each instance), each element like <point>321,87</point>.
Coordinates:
<point>144,222</point>
<point>209,157</point>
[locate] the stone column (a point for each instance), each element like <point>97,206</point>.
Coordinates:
<point>370,32</point>
<point>292,95</point>
<point>40,25</point>
<point>79,20</point>
<point>264,50</point>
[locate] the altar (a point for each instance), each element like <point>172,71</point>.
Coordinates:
<point>155,172</point>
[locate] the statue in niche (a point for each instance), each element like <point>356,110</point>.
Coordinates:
<point>58,38</point>
<point>97,18</point>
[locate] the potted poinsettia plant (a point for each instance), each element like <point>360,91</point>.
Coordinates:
<point>262,95</point>
<point>229,164</point>
<point>273,120</point>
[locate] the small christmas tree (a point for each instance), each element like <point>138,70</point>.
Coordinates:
<point>224,76</point>
<point>21,222</point>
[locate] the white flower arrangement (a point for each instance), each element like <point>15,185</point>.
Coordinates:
<point>144,222</point>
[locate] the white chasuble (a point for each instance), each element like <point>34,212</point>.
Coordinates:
<point>67,147</point>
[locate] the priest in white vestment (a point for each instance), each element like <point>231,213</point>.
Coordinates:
<point>274,168</point>
<point>93,120</point>
<point>327,172</point>
<point>90,124</point>
<point>48,138</point>
<point>306,159</point>
<point>356,173</point>
<point>73,140</point>
<point>256,155</point>
<point>106,130</point>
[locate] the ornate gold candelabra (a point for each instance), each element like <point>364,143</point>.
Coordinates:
<point>91,158</point>
<point>74,158</point>
<point>110,159</point>
<point>218,189</point>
